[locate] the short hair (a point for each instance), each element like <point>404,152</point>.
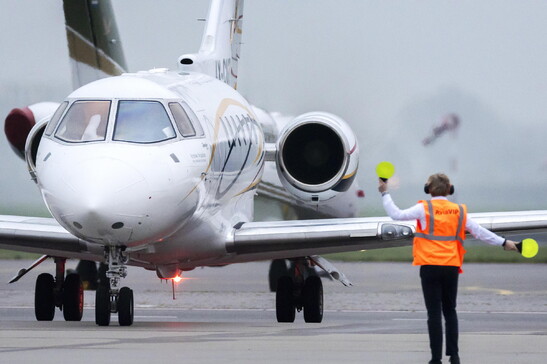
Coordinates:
<point>439,184</point>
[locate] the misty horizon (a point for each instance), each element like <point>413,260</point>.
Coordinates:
<point>392,70</point>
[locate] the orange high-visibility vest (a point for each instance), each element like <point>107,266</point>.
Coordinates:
<point>440,242</point>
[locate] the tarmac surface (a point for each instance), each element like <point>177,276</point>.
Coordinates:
<point>227,315</point>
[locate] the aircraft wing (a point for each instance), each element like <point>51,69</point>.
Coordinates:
<point>44,236</point>
<point>266,240</point>
<point>286,239</point>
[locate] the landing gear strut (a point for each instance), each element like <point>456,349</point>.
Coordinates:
<point>111,299</point>
<point>65,293</point>
<point>299,291</point>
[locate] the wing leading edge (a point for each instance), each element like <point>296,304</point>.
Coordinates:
<point>266,240</point>
<point>44,236</point>
<point>286,239</point>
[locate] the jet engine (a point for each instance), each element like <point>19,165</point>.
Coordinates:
<point>19,123</point>
<point>24,129</point>
<point>31,148</point>
<point>317,157</point>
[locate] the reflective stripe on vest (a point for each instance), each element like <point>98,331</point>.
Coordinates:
<point>440,242</point>
<point>431,226</point>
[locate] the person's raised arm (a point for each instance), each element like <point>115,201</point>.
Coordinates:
<point>415,212</point>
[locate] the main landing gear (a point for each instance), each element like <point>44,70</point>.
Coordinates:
<point>299,290</point>
<point>66,293</point>
<point>111,299</point>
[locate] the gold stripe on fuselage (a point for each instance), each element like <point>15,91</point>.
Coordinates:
<point>250,187</point>
<point>224,104</point>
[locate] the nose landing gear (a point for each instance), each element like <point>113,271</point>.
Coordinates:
<point>109,298</point>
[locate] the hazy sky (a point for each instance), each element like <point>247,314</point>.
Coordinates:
<point>392,69</point>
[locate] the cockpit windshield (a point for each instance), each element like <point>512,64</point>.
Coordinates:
<point>85,121</point>
<point>142,122</point>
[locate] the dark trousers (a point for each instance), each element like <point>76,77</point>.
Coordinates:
<point>440,288</point>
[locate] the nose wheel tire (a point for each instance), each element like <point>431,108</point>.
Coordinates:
<point>125,307</point>
<point>73,298</point>
<point>102,306</point>
<point>44,298</point>
<point>284,300</point>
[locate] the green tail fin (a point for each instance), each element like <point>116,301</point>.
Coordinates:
<point>94,44</point>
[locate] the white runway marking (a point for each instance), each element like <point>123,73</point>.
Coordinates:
<point>404,319</point>
<point>152,308</point>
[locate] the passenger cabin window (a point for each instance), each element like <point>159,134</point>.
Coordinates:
<point>85,121</point>
<point>142,122</point>
<point>55,119</point>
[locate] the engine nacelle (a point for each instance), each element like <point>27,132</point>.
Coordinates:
<point>317,157</point>
<point>31,147</point>
<point>19,123</point>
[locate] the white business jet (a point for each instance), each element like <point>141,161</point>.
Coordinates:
<point>159,169</point>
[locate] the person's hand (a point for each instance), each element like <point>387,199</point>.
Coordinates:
<point>382,186</point>
<point>510,245</point>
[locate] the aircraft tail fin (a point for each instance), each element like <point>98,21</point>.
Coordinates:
<point>94,44</point>
<point>218,55</point>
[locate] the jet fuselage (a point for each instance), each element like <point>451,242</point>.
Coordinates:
<point>141,159</point>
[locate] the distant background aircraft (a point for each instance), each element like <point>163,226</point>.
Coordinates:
<point>393,71</point>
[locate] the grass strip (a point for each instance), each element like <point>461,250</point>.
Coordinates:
<point>475,254</point>
<point>15,255</point>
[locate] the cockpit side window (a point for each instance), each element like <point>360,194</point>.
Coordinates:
<point>85,121</point>
<point>187,123</point>
<point>55,119</point>
<point>142,122</point>
<point>182,120</point>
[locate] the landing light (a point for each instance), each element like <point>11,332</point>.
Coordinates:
<point>395,232</point>
<point>177,279</point>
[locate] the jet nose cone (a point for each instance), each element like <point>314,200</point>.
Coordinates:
<point>134,198</point>
<point>103,200</point>
<point>107,185</point>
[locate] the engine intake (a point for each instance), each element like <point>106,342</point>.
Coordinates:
<point>312,155</point>
<point>31,148</point>
<point>317,156</point>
